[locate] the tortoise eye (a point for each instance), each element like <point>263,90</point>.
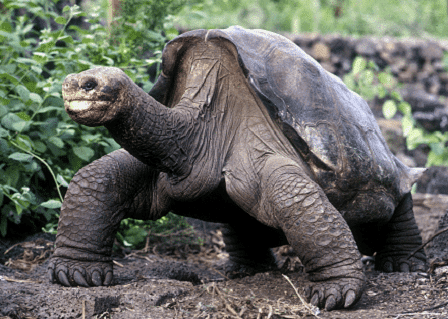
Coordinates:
<point>90,85</point>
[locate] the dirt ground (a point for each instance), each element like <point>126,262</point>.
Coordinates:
<point>189,282</point>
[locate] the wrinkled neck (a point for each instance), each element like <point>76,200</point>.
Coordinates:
<point>151,132</point>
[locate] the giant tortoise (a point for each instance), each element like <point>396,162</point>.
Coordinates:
<point>243,128</point>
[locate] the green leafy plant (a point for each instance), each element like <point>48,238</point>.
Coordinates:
<point>171,230</point>
<point>368,81</point>
<point>41,148</point>
<point>361,17</point>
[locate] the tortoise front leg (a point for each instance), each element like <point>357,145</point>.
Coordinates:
<point>99,196</point>
<point>401,237</point>
<point>316,231</point>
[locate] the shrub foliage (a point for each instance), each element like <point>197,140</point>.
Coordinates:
<point>41,148</point>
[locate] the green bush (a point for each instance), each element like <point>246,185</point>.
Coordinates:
<point>368,81</point>
<point>355,17</point>
<point>171,230</point>
<point>40,146</point>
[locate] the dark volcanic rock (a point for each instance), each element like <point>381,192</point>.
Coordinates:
<point>434,181</point>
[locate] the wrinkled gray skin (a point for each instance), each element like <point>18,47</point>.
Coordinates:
<point>243,128</point>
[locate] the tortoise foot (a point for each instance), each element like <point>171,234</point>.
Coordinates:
<point>69,272</point>
<point>335,293</point>
<point>400,263</point>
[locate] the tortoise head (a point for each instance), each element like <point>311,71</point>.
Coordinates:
<point>95,97</point>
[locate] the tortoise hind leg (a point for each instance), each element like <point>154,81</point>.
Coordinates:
<point>248,244</point>
<point>292,202</point>
<point>401,237</point>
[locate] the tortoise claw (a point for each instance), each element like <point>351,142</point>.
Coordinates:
<point>79,279</point>
<point>330,304</point>
<point>96,278</point>
<point>350,298</point>
<point>404,267</point>
<point>388,267</point>
<point>50,274</point>
<point>62,277</point>
<point>315,300</point>
<point>108,279</point>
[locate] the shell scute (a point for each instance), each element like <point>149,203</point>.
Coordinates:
<point>331,127</point>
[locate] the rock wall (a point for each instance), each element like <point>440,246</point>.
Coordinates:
<point>416,63</point>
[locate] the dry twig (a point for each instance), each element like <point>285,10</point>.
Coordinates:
<point>83,309</point>
<point>118,264</point>
<point>428,241</point>
<point>18,280</point>
<point>312,309</point>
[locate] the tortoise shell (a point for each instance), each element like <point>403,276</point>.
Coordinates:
<point>331,127</point>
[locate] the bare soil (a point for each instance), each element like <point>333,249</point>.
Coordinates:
<point>189,282</point>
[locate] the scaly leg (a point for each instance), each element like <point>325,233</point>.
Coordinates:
<point>99,196</point>
<point>316,231</point>
<point>401,236</point>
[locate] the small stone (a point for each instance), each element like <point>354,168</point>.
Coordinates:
<point>443,77</point>
<point>365,47</point>
<point>431,51</point>
<point>321,51</point>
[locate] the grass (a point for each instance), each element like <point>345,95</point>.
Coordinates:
<point>416,18</point>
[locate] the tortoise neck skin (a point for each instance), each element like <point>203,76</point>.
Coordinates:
<point>148,130</point>
<point>152,133</point>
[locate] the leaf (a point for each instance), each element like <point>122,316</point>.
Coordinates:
<point>389,109</point>
<point>60,20</point>
<point>36,98</point>
<point>53,204</point>
<point>3,110</point>
<point>396,95</point>
<point>24,116</point>
<point>386,79</point>
<point>21,157</point>
<point>66,39</point>
<point>40,147</point>
<point>359,64</point>
<point>40,57</point>
<point>23,93</point>
<point>12,122</point>
<point>25,142</point>
<point>368,77</point>
<point>61,180</point>
<point>3,132</point>
<point>437,148</point>
<point>405,108</point>
<point>26,60</point>
<point>66,8</point>
<point>36,69</point>
<point>19,208</point>
<point>83,152</point>
<point>48,109</point>
<point>4,148</point>
<point>407,125</point>
<point>56,141</point>
<point>6,26</point>
<point>12,176</point>
<point>12,79</point>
